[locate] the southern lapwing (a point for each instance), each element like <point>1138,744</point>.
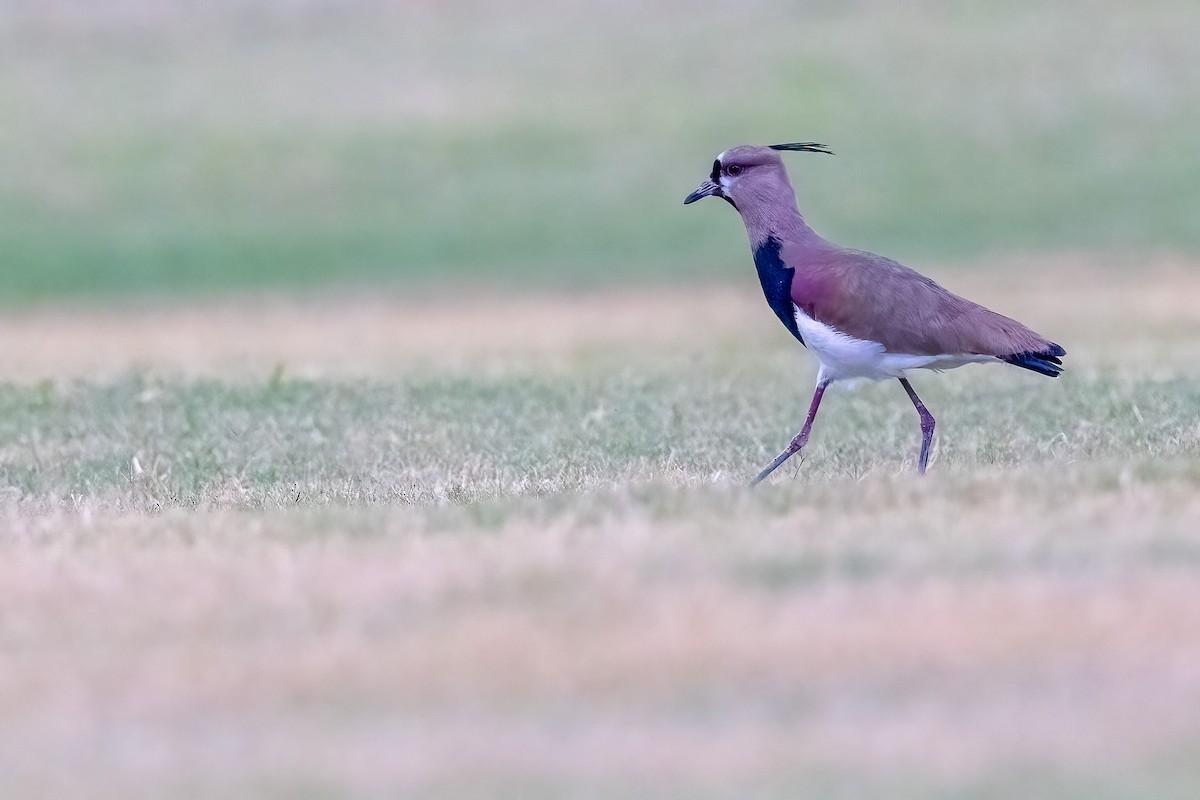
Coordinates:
<point>861,315</point>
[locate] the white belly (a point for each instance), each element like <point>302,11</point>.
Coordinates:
<point>844,357</point>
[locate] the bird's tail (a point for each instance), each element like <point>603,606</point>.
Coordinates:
<point>1047,362</point>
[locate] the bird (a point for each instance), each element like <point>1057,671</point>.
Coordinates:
<point>862,315</point>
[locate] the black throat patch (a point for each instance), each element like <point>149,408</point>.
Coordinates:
<point>776,280</point>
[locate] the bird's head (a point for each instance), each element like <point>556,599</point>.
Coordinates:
<point>744,174</point>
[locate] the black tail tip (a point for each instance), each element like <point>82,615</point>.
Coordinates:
<point>1046,362</point>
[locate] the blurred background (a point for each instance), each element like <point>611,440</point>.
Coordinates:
<point>155,148</point>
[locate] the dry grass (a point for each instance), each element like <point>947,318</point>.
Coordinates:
<point>914,642</point>
<point>1140,315</point>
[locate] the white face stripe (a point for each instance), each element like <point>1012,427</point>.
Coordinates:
<point>725,180</point>
<point>842,356</point>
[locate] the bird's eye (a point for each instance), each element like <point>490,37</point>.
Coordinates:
<point>734,169</point>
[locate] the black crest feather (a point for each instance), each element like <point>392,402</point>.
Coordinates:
<point>804,147</point>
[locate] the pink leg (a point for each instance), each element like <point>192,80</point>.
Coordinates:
<point>927,424</point>
<point>801,437</point>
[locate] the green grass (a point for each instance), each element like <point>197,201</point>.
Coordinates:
<point>258,145</point>
<point>446,439</point>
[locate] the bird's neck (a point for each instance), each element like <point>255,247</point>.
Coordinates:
<point>781,221</point>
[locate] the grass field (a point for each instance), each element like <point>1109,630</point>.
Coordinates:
<point>530,567</point>
<point>375,421</point>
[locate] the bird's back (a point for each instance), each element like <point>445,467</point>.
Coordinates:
<point>877,299</point>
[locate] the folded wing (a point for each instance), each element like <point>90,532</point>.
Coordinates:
<point>874,298</point>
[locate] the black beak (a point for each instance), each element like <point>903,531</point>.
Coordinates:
<point>706,189</point>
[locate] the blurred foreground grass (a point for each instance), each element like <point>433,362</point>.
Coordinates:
<point>158,147</point>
